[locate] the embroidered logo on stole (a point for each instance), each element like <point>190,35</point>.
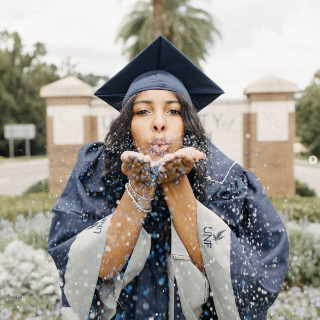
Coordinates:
<point>209,236</point>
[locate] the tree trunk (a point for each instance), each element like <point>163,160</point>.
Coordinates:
<point>157,18</point>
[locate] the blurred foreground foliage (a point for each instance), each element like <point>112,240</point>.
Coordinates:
<point>29,307</point>
<point>304,259</point>
<point>296,304</point>
<point>301,216</point>
<point>27,205</point>
<point>37,238</point>
<point>296,301</point>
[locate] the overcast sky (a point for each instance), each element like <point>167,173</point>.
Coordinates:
<point>259,37</point>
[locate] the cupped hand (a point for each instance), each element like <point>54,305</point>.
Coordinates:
<point>137,166</point>
<point>174,165</point>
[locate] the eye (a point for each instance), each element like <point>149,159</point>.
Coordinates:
<point>174,111</point>
<point>143,112</point>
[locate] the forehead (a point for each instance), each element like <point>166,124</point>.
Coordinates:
<point>156,95</point>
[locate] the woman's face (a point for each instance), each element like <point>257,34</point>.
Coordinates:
<point>157,126</point>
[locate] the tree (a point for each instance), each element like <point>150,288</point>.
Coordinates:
<point>308,116</point>
<point>92,79</point>
<point>190,29</point>
<point>22,74</point>
<point>68,68</point>
<point>157,18</point>
<point>21,77</point>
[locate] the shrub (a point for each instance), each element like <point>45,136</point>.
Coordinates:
<point>29,308</point>
<point>303,190</point>
<point>28,205</point>
<point>296,304</point>
<point>304,259</point>
<point>298,208</point>
<point>40,186</point>
<point>28,283</point>
<point>34,237</point>
<point>27,271</point>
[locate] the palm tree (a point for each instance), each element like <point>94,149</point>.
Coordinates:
<point>157,18</point>
<point>190,29</point>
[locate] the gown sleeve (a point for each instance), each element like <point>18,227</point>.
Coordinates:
<point>79,227</point>
<point>244,246</point>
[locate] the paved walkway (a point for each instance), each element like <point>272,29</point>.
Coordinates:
<point>17,175</point>
<point>308,173</point>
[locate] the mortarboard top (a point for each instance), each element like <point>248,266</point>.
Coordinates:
<point>171,64</point>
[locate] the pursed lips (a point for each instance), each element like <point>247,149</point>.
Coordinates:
<point>159,145</point>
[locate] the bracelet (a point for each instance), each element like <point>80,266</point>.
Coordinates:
<point>135,203</point>
<point>138,195</point>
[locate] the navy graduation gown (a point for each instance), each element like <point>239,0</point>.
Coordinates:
<point>236,211</point>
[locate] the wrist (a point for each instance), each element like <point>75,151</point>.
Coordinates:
<point>143,189</point>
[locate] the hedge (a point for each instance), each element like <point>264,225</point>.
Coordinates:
<point>27,205</point>
<point>298,208</point>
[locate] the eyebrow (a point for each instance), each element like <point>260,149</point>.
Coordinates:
<point>150,101</point>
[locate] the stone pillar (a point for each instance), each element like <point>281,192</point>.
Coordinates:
<point>69,126</point>
<point>268,134</point>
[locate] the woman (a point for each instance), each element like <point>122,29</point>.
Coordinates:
<point>157,222</point>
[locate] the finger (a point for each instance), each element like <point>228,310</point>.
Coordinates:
<point>147,159</point>
<point>163,174</point>
<point>187,161</point>
<point>154,164</point>
<point>194,153</point>
<point>128,158</point>
<point>179,167</point>
<point>169,162</point>
<point>198,155</point>
<point>129,154</point>
<point>127,164</point>
<point>169,166</point>
<point>125,155</point>
<point>137,166</point>
<point>146,165</point>
<point>138,160</point>
<point>167,158</point>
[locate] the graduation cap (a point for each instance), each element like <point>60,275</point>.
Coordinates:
<point>160,66</point>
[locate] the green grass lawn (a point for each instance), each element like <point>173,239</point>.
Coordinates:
<point>27,204</point>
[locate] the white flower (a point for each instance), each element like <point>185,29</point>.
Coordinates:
<point>24,270</point>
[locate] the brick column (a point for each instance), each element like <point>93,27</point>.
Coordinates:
<point>268,134</point>
<point>69,126</point>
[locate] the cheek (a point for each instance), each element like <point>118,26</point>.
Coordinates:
<point>134,131</point>
<point>138,133</point>
<point>178,130</point>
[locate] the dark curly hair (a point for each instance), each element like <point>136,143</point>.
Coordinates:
<point>119,140</point>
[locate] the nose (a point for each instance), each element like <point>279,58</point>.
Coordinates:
<point>157,128</point>
<point>159,123</point>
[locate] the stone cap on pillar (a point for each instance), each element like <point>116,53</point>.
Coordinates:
<point>271,87</point>
<point>67,87</point>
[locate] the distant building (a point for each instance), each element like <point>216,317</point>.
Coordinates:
<point>257,132</point>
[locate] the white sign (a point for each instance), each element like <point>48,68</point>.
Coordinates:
<point>25,131</point>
